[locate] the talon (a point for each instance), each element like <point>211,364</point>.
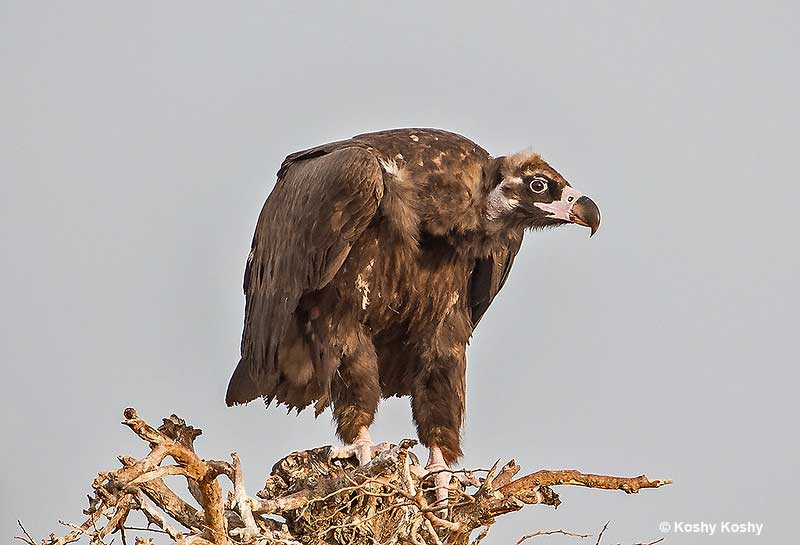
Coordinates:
<point>468,479</point>
<point>362,448</point>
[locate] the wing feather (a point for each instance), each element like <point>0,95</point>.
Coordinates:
<point>488,277</point>
<point>322,202</point>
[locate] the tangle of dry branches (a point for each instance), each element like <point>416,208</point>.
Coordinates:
<point>308,498</point>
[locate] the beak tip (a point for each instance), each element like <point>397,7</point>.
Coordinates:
<point>588,214</point>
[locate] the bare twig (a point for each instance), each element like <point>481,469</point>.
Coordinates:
<point>143,529</point>
<point>154,517</point>
<point>158,492</point>
<point>600,535</point>
<point>550,533</point>
<point>26,537</point>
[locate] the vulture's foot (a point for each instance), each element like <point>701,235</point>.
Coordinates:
<point>363,448</point>
<point>364,451</point>
<point>442,476</point>
<point>443,480</point>
<point>466,478</point>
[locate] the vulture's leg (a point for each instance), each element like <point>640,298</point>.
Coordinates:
<point>356,392</point>
<point>441,474</point>
<point>437,405</point>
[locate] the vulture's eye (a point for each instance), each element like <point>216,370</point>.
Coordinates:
<point>538,185</point>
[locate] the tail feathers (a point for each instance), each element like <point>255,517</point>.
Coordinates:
<point>241,388</point>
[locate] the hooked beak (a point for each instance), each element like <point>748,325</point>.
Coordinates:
<point>574,207</point>
<point>586,213</point>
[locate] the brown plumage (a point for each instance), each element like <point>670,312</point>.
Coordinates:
<point>373,260</point>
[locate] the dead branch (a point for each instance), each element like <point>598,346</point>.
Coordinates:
<point>629,485</point>
<point>390,500</point>
<point>175,439</point>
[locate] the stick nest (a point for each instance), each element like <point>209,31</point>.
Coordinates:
<point>308,499</point>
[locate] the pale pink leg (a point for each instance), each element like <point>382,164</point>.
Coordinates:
<point>442,475</point>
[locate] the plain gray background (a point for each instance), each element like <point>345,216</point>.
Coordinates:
<point>138,142</point>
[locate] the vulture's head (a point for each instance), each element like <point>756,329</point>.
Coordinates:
<point>525,191</point>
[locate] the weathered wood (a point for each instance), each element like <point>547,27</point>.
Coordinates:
<point>321,501</point>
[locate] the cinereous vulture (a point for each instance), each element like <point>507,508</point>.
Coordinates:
<point>373,261</point>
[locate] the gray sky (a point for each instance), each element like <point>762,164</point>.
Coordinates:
<point>138,142</point>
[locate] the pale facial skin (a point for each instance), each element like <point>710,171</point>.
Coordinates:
<point>535,195</point>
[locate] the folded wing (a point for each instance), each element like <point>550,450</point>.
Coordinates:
<point>322,202</point>
<point>488,277</point>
